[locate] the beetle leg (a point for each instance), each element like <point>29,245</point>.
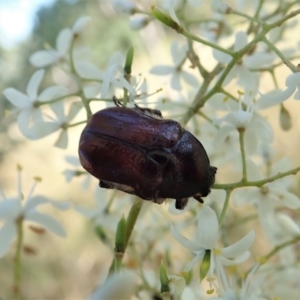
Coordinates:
<point>117,102</point>
<point>198,198</point>
<point>159,200</point>
<point>106,184</point>
<point>150,112</point>
<point>181,203</point>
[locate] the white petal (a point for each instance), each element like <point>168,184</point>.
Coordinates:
<point>122,82</point>
<point>73,160</point>
<point>221,56</point>
<point>123,6</point>
<point>190,78</point>
<point>88,70</point>
<point>241,40</point>
<point>272,99</point>
<point>46,221</point>
<point>286,198</point>
<point>80,24</point>
<point>175,82</point>
<point>28,116</point>
<point>173,15</point>
<point>297,94</point>
<point>288,224</point>
<point>228,262</point>
<point>240,246</point>
<point>63,41</point>
<point>293,80</point>
<point>232,74</point>
<point>7,234</point>
<point>178,52</point>
<point>74,110</point>
<point>17,98</point>
<point>10,208</point>
<point>207,228</point>
<point>34,202</point>
<point>192,246</point>
<point>62,141</point>
<point>258,59</point>
<point>59,110</point>
<point>245,196</point>
<point>222,134</point>
<point>116,59</point>
<point>162,70</point>
<point>52,92</point>
<point>192,263</point>
<point>34,83</point>
<point>138,22</point>
<point>109,76</point>
<point>39,130</point>
<point>89,213</point>
<point>44,58</point>
<point>118,286</point>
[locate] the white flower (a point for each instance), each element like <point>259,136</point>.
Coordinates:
<point>106,213</point>
<point>12,210</point>
<point>70,174</point>
<point>241,70</point>
<point>293,87</point>
<point>256,128</point>
<point>114,77</point>
<point>42,129</point>
<point>178,55</point>
<point>121,285</point>
<point>29,105</point>
<point>44,58</point>
<point>207,235</point>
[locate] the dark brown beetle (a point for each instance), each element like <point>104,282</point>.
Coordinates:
<point>136,151</point>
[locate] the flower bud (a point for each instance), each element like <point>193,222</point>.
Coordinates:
<point>121,236</point>
<point>205,265</point>
<point>164,280</point>
<point>285,118</point>
<point>165,18</point>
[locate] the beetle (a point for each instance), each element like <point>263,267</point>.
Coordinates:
<point>138,152</point>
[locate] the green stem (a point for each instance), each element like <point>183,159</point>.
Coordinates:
<point>225,206</point>
<point>243,153</point>
<point>131,220</point>
<point>280,55</point>
<point>280,247</point>
<point>78,123</point>
<point>204,42</point>
<point>258,183</point>
<point>132,217</point>
<point>17,260</point>
<point>40,103</point>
